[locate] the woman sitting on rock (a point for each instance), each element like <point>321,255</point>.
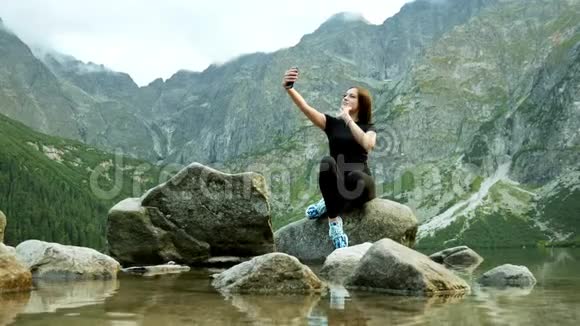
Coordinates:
<point>344,176</point>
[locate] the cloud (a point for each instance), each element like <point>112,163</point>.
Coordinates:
<point>155,38</point>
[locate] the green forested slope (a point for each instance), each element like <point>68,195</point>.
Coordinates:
<point>45,186</point>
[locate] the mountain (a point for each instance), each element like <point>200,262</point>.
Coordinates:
<point>54,189</point>
<point>64,97</point>
<point>30,93</point>
<point>494,112</point>
<point>210,116</point>
<point>476,105</point>
<point>95,80</point>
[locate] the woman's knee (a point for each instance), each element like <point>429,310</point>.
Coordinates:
<point>362,181</point>
<point>354,177</point>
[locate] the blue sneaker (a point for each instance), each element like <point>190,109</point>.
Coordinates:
<point>316,210</point>
<point>336,234</point>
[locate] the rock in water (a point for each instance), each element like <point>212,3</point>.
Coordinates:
<point>168,268</point>
<point>508,275</point>
<point>271,273</point>
<point>198,213</point>
<point>379,218</point>
<point>54,261</point>
<point>341,263</point>
<point>460,257</point>
<point>14,276</point>
<point>391,267</point>
<point>143,235</point>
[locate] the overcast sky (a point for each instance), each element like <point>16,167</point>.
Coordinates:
<point>155,38</point>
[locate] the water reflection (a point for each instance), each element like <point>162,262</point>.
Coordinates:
<point>176,299</point>
<point>344,307</point>
<point>12,304</point>
<point>51,296</point>
<point>554,262</point>
<point>275,310</point>
<point>189,299</point>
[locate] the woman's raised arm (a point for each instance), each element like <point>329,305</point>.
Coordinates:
<point>317,118</point>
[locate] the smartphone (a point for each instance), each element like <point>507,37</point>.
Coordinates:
<point>289,85</point>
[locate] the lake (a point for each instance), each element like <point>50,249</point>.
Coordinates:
<point>189,299</point>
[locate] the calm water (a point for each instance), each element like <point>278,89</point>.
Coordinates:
<point>189,299</point>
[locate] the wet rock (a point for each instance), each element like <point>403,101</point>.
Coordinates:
<point>270,273</point>
<point>461,257</point>
<point>169,268</point>
<point>223,261</point>
<point>143,235</point>
<point>391,267</point>
<point>379,218</point>
<point>341,263</point>
<point>508,275</point>
<point>59,262</point>
<point>14,276</point>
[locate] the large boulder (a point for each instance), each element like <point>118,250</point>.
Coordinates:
<point>391,267</point>
<point>10,250</point>
<point>377,219</point>
<point>54,261</point>
<point>461,257</point>
<point>341,263</point>
<point>198,213</point>
<point>143,235</point>
<point>2,226</point>
<point>270,273</point>
<point>14,276</point>
<point>508,275</point>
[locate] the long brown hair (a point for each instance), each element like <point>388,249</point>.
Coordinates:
<point>365,105</point>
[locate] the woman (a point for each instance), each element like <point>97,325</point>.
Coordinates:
<point>344,176</point>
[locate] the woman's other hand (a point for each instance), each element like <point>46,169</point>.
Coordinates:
<point>290,77</point>
<point>345,112</point>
